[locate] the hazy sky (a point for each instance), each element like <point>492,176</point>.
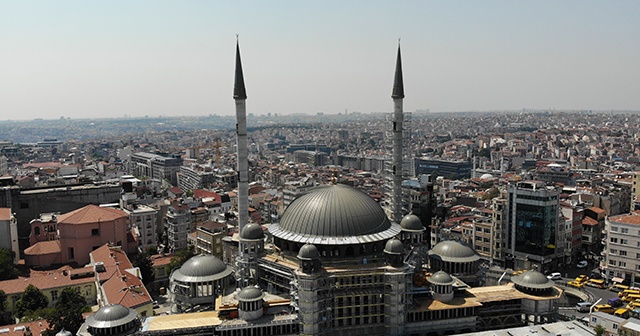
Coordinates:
<point>85,59</point>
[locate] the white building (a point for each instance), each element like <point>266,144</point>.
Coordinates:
<point>622,248</point>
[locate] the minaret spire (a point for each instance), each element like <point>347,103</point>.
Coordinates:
<point>398,86</point>
<point>239,91</point>
<point>240,96</point>
<point>398,128</point>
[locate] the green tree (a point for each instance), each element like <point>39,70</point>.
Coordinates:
<point>8,269</point>
<point>5,316</point>
<point>68,312</point>
<point>30,301</point>
<point>180,258</point>
<point>600,330</point>
<point>491,194</point>
<point>143,261</point>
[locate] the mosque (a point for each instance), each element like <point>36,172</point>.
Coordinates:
<point>335,264</point>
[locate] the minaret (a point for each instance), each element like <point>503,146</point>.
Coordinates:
<point>240,96</point>
<point>398,96</point>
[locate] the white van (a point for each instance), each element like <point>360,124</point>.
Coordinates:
<point>583,306</point>
<point>554,276</point>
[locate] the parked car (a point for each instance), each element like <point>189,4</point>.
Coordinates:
<point>582,264</point>
<point>582,278</point>
<point>615,302</point>
<point>554,276</point>
<point>576,284</point>
<point>583,306</point>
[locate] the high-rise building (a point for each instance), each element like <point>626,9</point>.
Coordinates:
<point>533,234</point>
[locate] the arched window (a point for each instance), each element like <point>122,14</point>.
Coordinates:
<point>36,230</point>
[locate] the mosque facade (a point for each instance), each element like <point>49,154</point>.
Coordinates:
<point>335,264</point>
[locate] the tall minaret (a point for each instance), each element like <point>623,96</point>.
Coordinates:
<point>240,96</point>
<point>398,96</point>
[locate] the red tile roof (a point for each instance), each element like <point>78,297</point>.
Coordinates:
<point>91,214</point>
<point>36,328</point>
<point>200,194</point>
<point>589,221</point>
<point>53,279</point>
<point>42,248</point>
<point>5,214</point>
<point>633,219</point>
<point>118,284</point>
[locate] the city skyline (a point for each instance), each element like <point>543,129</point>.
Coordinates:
<point>87,60</point>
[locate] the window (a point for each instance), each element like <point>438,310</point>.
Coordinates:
<point>613,251</point>
<point>95,232</point>
<point>623,252</point>
<point>36,230</point>
<point>624,230</point>
<point>71,254</point>
<point>614,240</point>
<point>612,262</point>
<point>54,295</point>
<point>614,229</point>
<point>624,241</point>
<point>622,264</point>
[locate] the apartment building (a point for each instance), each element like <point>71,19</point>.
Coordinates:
<point>533,234</point>
<point>622,249</point>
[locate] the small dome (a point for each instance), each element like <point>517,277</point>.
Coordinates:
<point>201,268</point>
<point>486,177</point>
<point>440,278</point>
<point>532,279</point>
<point>249,294</point>
<point>454,251</point>
<point>394,246</point>
<point>308,252</point>
<point>64,333</point>
<point>252,231</point>
<point>111,316</point>
<point>411,222</point>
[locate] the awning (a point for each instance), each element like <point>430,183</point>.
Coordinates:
<point>616,279</point>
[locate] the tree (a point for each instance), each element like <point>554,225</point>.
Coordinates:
<point>30,301</point>
<point>180,258</point>
<point>143,261</point>
<point>600,330</point>
<point>8,269</point>
<point>5,316</point>
<point>68,312</point>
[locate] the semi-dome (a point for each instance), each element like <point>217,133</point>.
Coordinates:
<point>249,294</point>
<point>334,215</point>
<point>441,278</point>
<point>308,252</point>
<point>411,222</point>
<point>454,251</point>
<point>394,246</point>
<point>111,316</point>
<point>201,268</point>
<point>532,279</point>
<point>252,231</point>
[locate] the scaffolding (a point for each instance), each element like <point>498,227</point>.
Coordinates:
<point>408,168</point>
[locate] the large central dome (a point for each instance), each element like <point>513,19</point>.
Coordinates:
<point>334,214</point>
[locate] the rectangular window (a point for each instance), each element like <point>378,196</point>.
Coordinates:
<point>613,251</point>
<point>623,252</point>
<point>54,295</point>
<point>614,240</point>
<point>624,230</point>
<point>624,241</point>
<point>71,253</point>
<point>614,229</point>
<point>95,232</point>
<point>622,264</point>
